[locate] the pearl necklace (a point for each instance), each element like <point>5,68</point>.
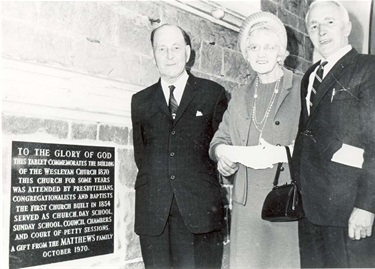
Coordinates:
<point>259,125</point>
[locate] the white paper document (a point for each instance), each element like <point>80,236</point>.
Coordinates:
<point>245,155</point>
<point>257,157</point>
<point>349,155</point>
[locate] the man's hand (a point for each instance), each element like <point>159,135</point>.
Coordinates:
<point>226,167</point>
<point>360,224</point>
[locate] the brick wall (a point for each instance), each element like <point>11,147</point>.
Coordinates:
<point>70,68</point>
<point>292,14</point>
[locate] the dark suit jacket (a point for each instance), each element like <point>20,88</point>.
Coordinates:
<point>172,157</point>
<point>331,190</point>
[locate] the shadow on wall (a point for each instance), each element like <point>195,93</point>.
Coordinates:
<point>356,38</point>
<point>293,47</point>
<point>190,63</point>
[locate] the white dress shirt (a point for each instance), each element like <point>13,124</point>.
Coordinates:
<point>180,85</point>
<point>331,61</point>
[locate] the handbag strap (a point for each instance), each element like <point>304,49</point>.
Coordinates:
<point>278,170</point>
<point>289,163</point>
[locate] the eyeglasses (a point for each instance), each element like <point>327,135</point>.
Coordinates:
<point>266,48</point>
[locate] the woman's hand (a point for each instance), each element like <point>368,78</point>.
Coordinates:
<point>262,156</point>
<point>226,167</point>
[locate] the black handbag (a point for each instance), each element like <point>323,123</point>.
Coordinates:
<point>283,203</point>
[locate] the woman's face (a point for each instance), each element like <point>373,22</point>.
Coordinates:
<point>263,49</point>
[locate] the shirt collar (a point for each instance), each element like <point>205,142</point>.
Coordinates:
<point>179,83</point>
<point>333,59</point>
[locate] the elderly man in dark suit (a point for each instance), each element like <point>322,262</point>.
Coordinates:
<point>334,154</point>
<point>178,207</point>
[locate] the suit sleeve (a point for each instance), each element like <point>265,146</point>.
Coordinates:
<point>137,131</point>
<point>366,191</point>
<point>222,135</point>
<point>220,108</point>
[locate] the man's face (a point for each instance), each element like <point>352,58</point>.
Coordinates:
<point>171,52</point>
<point>327,29</point>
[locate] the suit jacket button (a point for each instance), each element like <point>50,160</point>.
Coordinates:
<point>173,177</point>
<point>171,154</point>
<point>173,132</point>
<point>277,122</point>
<point>281,168</point>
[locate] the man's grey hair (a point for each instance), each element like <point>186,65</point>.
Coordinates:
<point>344,12</point>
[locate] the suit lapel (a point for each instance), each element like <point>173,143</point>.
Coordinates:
<point>187,97</point>
<point>246,109</point>
<point>248,101</point>
<point>332,77</point>
<point>284,88</point>
<point>159,102</point>
<point>304,87</point>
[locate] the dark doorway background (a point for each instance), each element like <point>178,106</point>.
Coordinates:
<point>372,29</point>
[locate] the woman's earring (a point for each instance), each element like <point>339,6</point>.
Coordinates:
<point>279,61</point>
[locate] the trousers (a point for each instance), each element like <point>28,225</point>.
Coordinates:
<point>178,248</point>
<point>331,247</point>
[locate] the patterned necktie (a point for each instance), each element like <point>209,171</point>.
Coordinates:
<point>318,79</point>
<point>173,106</point>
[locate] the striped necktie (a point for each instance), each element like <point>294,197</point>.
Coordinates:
<point>173,106</point>
<point>317,80</point>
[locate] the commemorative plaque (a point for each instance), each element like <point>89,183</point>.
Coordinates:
<point>62,203</point>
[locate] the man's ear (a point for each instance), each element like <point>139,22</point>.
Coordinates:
<point>348,28</point>
<point>187,53</point>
